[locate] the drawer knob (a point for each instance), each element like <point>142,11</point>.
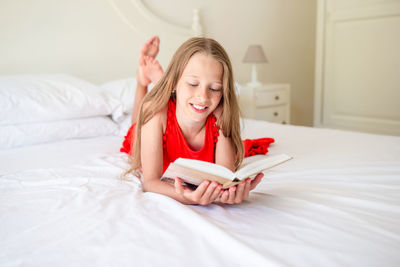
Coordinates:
<point>277,97</point>
<point>275,113</point>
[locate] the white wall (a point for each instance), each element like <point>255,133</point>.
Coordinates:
<point>87,37</point>
<point>81,37</point>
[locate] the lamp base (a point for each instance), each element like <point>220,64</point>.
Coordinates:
<point>254,82</point>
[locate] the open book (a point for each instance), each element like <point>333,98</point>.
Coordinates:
<point>193,171</point>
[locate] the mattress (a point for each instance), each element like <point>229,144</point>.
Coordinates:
<point>337,203</point>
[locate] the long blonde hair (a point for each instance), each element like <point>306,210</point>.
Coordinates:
<point>159,96</point>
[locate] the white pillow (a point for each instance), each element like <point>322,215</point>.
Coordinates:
<point>122,91</point>
<point>124,124</point>
<point>40,98</point>
<point>37,133</point>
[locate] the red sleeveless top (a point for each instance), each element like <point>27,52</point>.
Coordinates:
<point>174,143</point>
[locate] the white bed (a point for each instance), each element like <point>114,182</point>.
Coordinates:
<point>63,202</point>
<point>336,204</point>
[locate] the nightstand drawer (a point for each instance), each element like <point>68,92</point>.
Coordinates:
<point>269,102</point>
<point>265,98</point>
<point>272,114</point>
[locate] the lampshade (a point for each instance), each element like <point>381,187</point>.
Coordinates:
<point>255,54</point>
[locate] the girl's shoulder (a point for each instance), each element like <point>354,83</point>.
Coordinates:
<point>160,117</point>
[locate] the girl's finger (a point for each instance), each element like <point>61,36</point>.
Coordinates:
<point>239,192</point>
<point>199,192</point>
<point>216,193</point>
<point>232,194</point>
<point>256,180</point>
<point>178,186</point>
<point>246,189</point>
<point>224,196</point>
<point>209,191</point>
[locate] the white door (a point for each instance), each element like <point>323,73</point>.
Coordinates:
<point>358,65</point>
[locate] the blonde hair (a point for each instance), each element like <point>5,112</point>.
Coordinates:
<point>159,96</point>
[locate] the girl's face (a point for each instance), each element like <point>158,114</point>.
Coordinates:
<point>199,90</point>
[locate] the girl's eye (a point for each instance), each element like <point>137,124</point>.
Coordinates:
<point>215,90</point>
<point>192,84</point>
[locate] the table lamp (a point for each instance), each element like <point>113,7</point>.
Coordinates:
<point>254,55</point>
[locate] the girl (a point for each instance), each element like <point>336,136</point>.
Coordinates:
<point>191,112</point>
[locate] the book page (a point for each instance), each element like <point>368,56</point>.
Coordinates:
<point>191,175</point>
<point>204,166</point>
<point>259,164</point>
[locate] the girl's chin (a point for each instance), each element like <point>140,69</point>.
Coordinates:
<point>198,117</point>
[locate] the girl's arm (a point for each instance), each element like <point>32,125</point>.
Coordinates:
<point>140,92</point>
<point>152,167</point>
<point>224,151</point>
<point>225,155</point>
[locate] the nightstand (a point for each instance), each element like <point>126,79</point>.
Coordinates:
<point>269,102</point>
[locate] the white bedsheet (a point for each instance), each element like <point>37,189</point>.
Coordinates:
<point>63,153</point>
<point>337,203</point>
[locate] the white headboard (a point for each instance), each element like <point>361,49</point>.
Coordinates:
<point>96,40</point>
<point>137,16</point>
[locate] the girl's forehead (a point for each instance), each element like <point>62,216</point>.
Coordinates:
<point>204,65</point>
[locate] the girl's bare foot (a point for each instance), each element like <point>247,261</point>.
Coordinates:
<point>141,76</point>
<point>149,71</point>
<point>153,70</point>
<point>151,47</point>
<point>150,50</point>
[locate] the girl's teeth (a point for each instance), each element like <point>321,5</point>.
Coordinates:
<point>198,107</point>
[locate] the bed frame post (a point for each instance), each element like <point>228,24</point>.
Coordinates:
<point>197,29</point>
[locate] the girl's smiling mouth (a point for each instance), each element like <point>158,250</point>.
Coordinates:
<point>199,108</point>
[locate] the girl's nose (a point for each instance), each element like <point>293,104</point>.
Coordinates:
<point>202,93</point>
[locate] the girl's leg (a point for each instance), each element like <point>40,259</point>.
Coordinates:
<point>149,50</point>
<point>152,69</point>
<point>141,90</point>
<point>149,71</point>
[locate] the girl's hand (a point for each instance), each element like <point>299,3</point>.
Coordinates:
<point>206,193</point>
<point>236,194</point>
